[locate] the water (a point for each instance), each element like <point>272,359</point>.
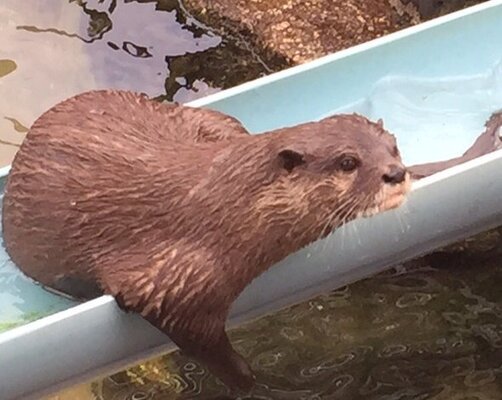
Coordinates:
<point>431,329</point>
<point>428,329</point>
<point>433,119</point>
<point>53,49</point>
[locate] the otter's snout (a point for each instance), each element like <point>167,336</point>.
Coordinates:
<point>395,174</point>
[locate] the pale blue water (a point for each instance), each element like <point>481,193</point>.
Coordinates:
<point>433,119</point>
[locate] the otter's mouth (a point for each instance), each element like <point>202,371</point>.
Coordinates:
<point>388,197</point>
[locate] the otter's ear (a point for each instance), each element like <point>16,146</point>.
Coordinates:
<point>290,159</point>
<point>380,122</point>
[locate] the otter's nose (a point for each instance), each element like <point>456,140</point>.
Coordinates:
<point>396,174</point>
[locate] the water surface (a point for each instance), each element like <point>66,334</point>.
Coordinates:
<point>53,49</point>
<point>434,118</point>
<point>427,330</point>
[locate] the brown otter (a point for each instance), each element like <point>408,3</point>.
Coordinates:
<point>174,210</point>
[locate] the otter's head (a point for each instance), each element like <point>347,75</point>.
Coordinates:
<point>340,168</point>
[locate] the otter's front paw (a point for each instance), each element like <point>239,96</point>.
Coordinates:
<point>490,140</point>
<point>233,371</point>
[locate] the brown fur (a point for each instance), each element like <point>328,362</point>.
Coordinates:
<point>174,210</point>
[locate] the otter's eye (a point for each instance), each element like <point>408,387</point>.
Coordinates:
<point>348,163</point>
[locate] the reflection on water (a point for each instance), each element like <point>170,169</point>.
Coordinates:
<point>53,49</point>
<point>429,329</point>
<point>6,67</point>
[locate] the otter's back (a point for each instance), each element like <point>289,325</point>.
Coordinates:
<point>79,162</point>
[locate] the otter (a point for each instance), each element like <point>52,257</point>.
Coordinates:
<point>174,210</point>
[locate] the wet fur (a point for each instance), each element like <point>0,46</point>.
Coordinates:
<point>174,210</point>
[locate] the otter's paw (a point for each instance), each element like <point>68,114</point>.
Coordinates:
<point>212,348</point>
<point>491,139</point>
<point>231,368</point>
